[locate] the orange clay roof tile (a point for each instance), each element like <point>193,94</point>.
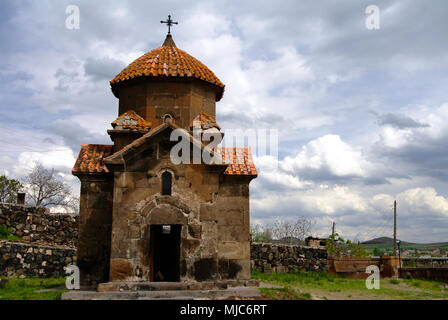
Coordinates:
<point>167,61</point>
<point>206,120</point>
<point>240,161</point>
<point>91,156</point>
<point>90,159</point>
<point>131,120</point>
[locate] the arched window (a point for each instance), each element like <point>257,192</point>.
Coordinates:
<point>167,116</point>
<point>166,183</point>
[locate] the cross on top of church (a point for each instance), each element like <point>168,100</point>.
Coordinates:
<point>169,23</point>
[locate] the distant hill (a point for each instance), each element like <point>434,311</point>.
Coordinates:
<point>384,242</point>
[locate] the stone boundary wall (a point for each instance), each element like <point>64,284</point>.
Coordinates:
<point>267,257</point>
<point>37,225</point>
<point>18,258</point>
<point>436,273</point>
<point>355,268</point>
<point>34,260</point>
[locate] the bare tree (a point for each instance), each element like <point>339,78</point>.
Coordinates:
<point>46,189</point>
<point>289,231</point>
<point>73,205</point>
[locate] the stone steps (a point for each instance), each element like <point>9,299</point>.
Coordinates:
<point>120,286</point>
<point>215,294</point>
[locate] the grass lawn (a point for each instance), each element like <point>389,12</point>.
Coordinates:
<point>277,286</point>
<point>325,286</point>
<point>33,289</point>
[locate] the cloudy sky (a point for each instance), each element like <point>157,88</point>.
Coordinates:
<point>361,114</point>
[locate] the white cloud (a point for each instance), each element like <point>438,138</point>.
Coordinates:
<point>265,89</point>
<point>395,138</point>
<point>435,128</point>
<point>422,201</point>
<point>328,153</point>
<point>58,158</point>
<point>335,200</point>
<point>270,174</point>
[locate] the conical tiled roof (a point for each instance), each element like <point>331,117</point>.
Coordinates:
<point>167,61</point>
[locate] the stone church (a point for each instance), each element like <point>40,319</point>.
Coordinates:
<point>144,218</point>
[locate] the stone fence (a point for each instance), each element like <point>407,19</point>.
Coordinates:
<point>49,242</point>
<point>425,273</point>
<point>37,225</point>
<point>267,257</point>
<point>355,268</point>
<point>34,260</point>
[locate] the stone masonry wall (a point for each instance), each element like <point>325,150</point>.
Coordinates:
<point>34,260</point>
<point>267,257</point>
<point>37,225</point>
<point>52,239</point>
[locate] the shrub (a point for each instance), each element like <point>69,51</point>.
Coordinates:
<point>260,234</point>
<point>378,252</point>
<point>394,281</point>
<point>9,189</point>
<point>337,246</point>
<point>4,232</point>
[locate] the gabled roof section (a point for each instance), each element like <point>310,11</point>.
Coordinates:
<point>117,157</point>
<point>205,120</point>
<point>90,159</point>
<point>132,121</point>
<point>92,156</point>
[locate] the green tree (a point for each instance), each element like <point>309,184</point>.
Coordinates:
<point>337,246</point>
<point>9,189</point>
<point>378,252</point>
<point>260,234</point>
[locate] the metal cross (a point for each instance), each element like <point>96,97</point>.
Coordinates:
<point>169,23</point>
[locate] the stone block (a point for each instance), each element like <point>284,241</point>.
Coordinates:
<point>134,231</point>
<point>207,212</point>
<point>252,283</point>
<point>194,230</point>
<point>267,268</point>
<point>235,283</point>
<point>230,217</point>
<point>233,250</point>
<point>239,233</point>
<point>120,269</point>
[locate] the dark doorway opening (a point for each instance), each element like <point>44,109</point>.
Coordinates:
<point>165,252</point>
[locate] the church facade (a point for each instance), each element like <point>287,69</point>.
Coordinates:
<point>143,217</point>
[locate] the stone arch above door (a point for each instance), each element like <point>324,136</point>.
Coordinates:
<point>163,210</point>
<point>166,214</point>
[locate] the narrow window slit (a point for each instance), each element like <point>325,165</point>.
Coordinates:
<point>166,183</point>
